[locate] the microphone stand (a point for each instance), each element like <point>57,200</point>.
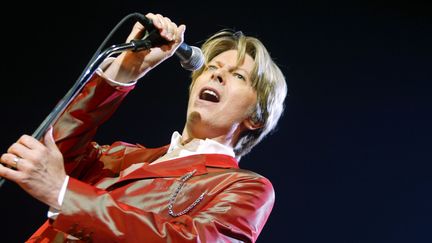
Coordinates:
<point>134,45</point>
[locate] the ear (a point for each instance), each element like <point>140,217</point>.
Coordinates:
<point>251,123</point>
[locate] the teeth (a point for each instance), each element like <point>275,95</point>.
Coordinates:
<point>210,92</point>
<point>209,95</point>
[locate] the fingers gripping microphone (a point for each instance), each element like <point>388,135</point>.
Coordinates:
<point>191,57</point>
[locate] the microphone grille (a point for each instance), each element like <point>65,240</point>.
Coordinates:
<point>195,61</point>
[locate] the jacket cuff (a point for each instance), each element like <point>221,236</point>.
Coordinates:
<point>100,71</point>
<point>79,196</point>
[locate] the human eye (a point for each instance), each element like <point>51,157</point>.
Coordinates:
<point>239,76</point>
<point>211,67</point>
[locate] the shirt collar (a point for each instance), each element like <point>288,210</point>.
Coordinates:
<point>199,146</point>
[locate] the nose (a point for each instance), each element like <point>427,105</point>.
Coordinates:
<point>219,76</point>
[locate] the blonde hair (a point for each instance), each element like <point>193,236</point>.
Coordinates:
<point>267,80</point>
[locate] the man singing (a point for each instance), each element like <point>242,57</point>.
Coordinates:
<point>192,189</point>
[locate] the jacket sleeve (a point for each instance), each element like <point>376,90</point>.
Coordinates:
<point>236,214</point>
<point>76,127</point>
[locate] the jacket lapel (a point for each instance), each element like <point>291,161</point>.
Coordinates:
<point>142,155</point>
<point>180,166</point>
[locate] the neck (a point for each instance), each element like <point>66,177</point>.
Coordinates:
<point>225,139</point>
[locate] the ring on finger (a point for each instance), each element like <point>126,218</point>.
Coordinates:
<point>16,160</point>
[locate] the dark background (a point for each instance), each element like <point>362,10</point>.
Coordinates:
<point>350,160</point>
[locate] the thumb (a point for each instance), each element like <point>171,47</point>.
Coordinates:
<point>49,139</point>
<point>181,30</point>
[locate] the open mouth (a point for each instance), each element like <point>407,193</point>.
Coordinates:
<point>209,95</point>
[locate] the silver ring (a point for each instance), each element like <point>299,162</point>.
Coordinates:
<point>16,160</point>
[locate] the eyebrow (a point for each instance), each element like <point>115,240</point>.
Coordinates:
<point>236,68</point>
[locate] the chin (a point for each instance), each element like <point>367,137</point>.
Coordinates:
<point>198,128</point>
<point>194,117</point>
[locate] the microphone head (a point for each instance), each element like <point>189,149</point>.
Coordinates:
<point>195,61</point>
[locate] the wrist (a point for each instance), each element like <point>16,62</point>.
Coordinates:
<point>56,199</point>
<point>124,70</point>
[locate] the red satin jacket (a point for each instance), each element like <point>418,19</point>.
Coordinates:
<point>198,198</point>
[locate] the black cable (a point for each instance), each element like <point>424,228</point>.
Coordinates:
<point>104,42</point>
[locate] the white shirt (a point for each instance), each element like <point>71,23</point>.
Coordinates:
<point>197,146</point>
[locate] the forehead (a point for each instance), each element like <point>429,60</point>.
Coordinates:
<point>230,58</point>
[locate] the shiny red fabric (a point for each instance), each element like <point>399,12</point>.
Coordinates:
<point>104,204</point>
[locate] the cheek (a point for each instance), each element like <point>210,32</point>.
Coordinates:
<point>192,92</point>
<point>194,88</point>
<point>243,101</point>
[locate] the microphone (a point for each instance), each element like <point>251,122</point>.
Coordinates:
<point>191,57</point>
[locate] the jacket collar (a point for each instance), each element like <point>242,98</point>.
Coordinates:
<point>180,166</point>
